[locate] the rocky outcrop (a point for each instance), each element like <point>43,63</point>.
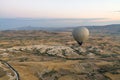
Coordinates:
<point>58,51</point>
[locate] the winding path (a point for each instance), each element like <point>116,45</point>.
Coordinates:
<point>12,69</point>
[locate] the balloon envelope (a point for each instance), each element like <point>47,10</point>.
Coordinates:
<point>80,34</point>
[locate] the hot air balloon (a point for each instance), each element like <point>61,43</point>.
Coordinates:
<point>80,34</point>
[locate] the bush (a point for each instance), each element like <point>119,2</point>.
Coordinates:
<point>36,52</point>
<point>23,59</point>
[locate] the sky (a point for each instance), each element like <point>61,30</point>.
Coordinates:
<point>60,9</point>
<point>96,10</point>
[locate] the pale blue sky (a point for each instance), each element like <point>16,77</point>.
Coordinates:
<point>108,9</point>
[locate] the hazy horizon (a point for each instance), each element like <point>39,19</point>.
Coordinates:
<point>11,23</point>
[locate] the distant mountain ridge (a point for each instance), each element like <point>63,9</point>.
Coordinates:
<point>112,29</point>
<point>28,28</point>
<point>108,28</point>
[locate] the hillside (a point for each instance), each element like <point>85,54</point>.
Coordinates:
<point>43,55</point>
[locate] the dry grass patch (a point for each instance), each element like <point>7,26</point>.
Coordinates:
<point>113,76</point>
